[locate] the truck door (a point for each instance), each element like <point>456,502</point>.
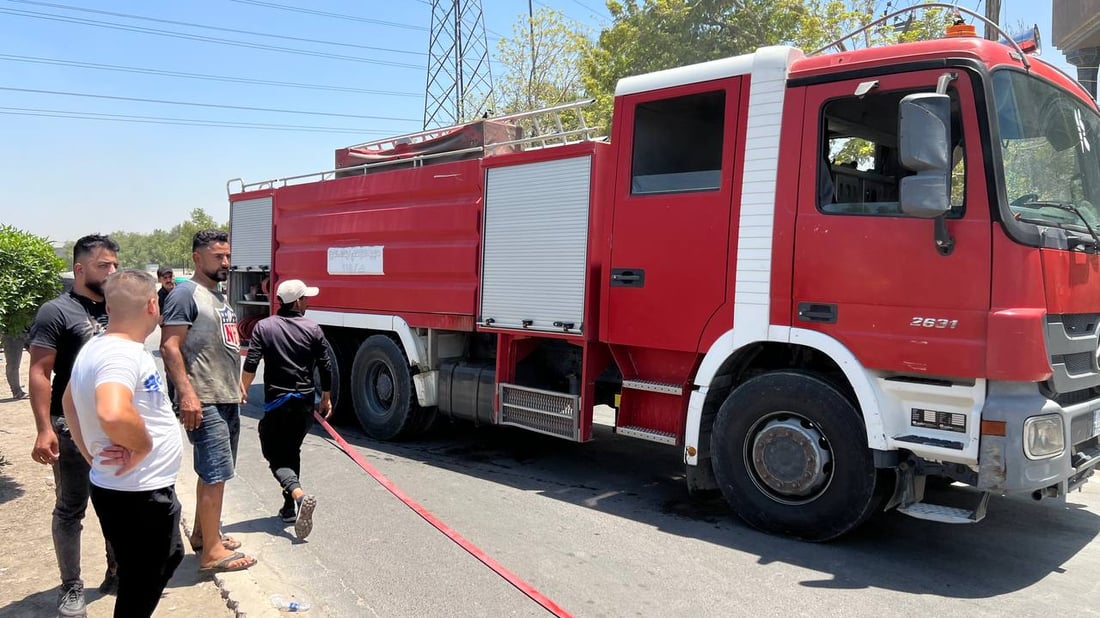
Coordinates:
<point>863,272</point>
<point>671,221</point>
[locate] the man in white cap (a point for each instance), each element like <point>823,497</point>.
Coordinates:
<point>291,346</point>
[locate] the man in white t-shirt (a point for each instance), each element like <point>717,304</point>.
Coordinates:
<point>122,421</point>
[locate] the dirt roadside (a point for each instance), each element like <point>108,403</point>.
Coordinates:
<point>28,568</point>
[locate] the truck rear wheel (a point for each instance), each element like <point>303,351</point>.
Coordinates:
<point>381,388</point>
<point>790,456</point>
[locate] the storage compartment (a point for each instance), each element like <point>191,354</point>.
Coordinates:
<point>534,260</point>
<point>250,233</point>
<point>249,299</point>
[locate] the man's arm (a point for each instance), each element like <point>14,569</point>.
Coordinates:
<point>121,422</point>
<point>171,342</point>
<point>252,361</point>
<point>246,381</point>
<point>324,366</point>
<point>45,449</point>
<point>74,422</point>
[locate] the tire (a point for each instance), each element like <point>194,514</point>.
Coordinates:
<point>381,390</point>
<point>790,455</point>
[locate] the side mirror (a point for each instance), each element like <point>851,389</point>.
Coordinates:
<point>924,136</point>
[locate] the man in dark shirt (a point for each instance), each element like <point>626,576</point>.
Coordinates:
<point>167,280</point>
<point>291,346</point>
<point>61,327</point>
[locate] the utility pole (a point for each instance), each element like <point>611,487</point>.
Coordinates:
<point>993,14</point>
<point>459,83</point>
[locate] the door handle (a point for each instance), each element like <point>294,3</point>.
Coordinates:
<point>821,313</point>
<point>627,277</point>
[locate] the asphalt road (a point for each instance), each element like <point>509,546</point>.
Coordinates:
<point>606,529</point>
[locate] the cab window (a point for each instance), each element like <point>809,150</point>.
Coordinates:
<point>678,144</point>
<point>859,172</point>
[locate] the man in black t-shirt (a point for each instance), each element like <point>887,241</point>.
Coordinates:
<point>291,346</point>
<point>167,280</point>
<point>61,327</point>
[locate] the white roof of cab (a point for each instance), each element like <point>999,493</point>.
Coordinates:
<point>778,57</point>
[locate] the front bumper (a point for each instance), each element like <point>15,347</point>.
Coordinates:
<point>1003,465</point>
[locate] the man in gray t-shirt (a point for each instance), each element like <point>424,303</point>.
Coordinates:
<point>211,349</point>
<point>201,351</point>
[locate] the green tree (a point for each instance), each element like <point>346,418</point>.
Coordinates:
<point>29,276</point>
<point>542,62</point>
<point>651,35</point>
<point>177,241</point>
<point>164,247</point>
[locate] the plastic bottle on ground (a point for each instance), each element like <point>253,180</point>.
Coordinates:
<point>289,604</point>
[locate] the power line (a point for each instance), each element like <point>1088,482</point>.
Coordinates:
<point>296,9</point>
<point>217,28</point>
<point>585,6</point>
<point>217,78</point>
<point>207,39</point>
<point>61,113</point>
<point>195,104</point>
<point>547,6</point>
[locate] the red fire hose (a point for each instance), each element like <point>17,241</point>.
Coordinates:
<point>474,550</point>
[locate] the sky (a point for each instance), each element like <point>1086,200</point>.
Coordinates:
<point>63,177</point>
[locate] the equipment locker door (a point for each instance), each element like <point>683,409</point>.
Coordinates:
<point>868,275</point>
<point>671,221</point>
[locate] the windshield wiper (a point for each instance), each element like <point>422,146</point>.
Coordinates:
<point>1064,206</point>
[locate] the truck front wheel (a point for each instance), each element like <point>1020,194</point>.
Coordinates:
<point>790,456</point>
<point>381,390</point>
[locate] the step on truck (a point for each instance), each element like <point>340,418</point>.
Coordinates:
<point>822,279</point>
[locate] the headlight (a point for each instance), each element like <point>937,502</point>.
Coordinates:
<point>1044,436</point>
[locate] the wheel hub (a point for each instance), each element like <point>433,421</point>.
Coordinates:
<point>383,386</point>
<point>790,457</point>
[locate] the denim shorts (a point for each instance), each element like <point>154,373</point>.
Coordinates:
<point>215,442</point>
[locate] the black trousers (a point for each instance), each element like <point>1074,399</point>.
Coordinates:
<point>143,528</point>
<point>282,431</point>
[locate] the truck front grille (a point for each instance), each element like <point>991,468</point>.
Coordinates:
<point>1073,341</point>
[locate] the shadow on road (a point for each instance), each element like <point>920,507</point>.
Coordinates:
<point>42,603</point>
<point>268,525</point>
<point>10,489</point>
<point>1018,544</point>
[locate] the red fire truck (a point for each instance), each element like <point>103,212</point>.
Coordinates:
<point>825,278</point>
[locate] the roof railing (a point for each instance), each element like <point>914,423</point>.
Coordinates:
<point>929,5</point>
<point>534,138</point>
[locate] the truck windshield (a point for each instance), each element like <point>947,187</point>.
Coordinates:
<point>1050,144</point>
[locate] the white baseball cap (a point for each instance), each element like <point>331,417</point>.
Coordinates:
<point>293,289</point>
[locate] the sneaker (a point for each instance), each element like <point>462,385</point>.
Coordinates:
<point>303,525</point>
<point>70,601</point>
<point>110,583</point>
<point>289,512</point>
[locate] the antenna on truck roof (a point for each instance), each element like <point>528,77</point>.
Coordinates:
<point>931,5</point>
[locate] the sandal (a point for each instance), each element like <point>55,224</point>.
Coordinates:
<point>228,542</point>
<point>226,564</point>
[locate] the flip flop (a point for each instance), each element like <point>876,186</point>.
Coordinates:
<point>224,565</point>
<point>303,525</point>
<point>228,542</point>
